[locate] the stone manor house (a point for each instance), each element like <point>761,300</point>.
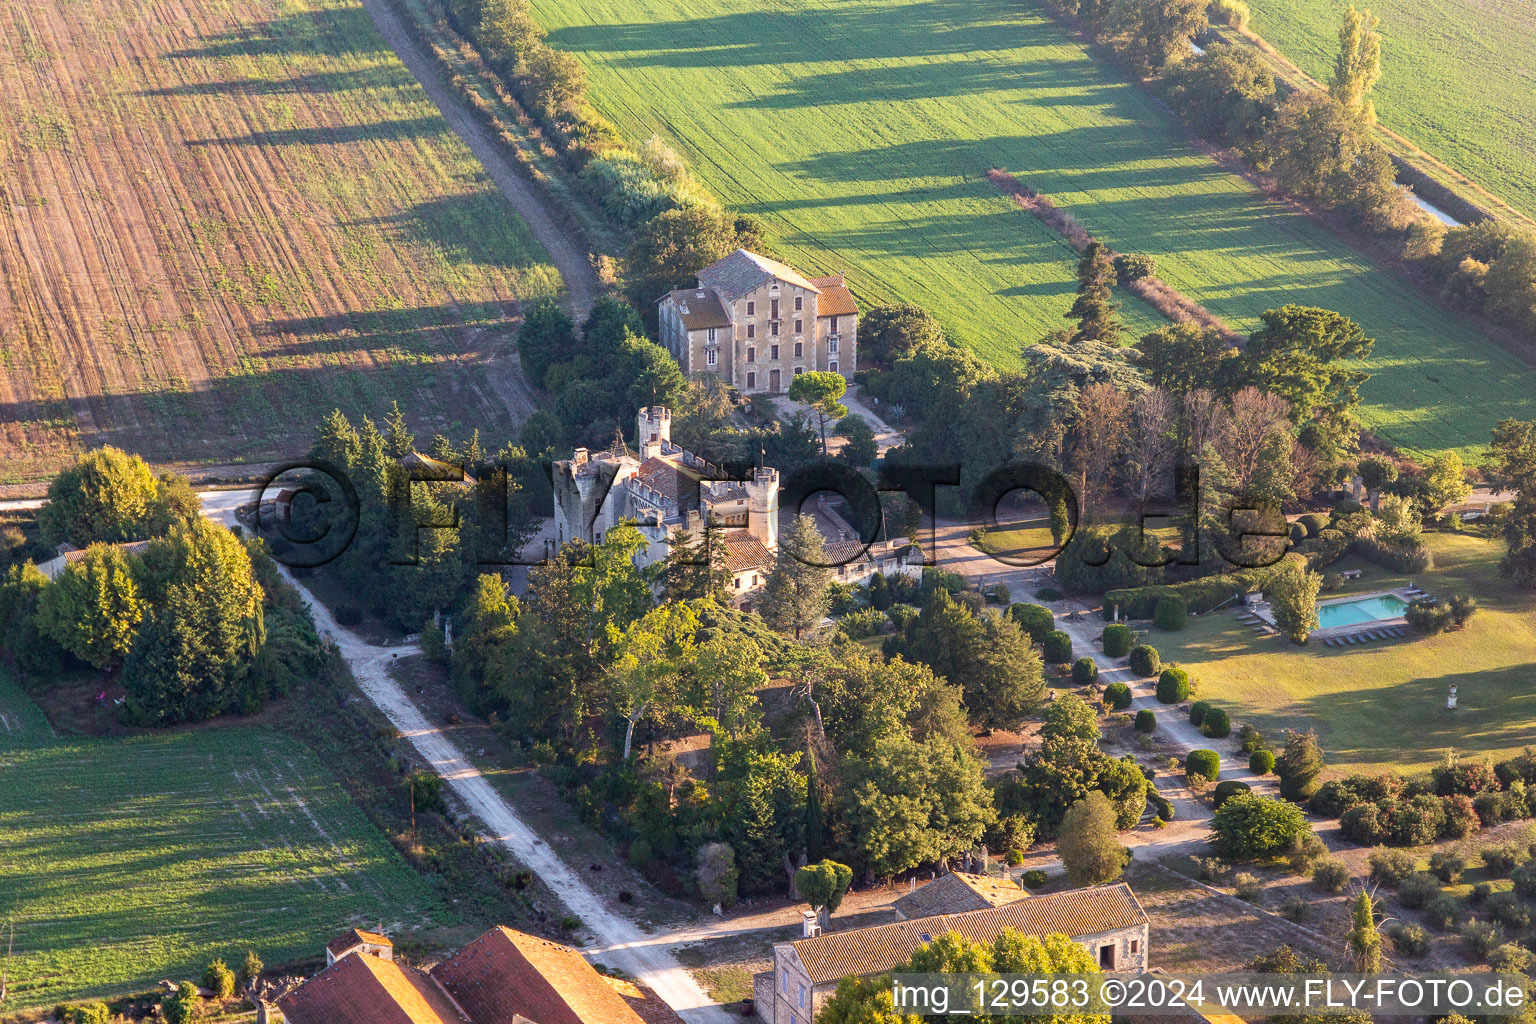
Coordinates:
<point>757,324</point>
<point>1106,920</point>
<point>664,488</point>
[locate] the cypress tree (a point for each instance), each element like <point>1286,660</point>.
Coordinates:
<point>815,821</point>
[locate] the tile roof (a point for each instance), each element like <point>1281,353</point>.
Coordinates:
<point>504,973</point>
<point>1074,913</point>
<point>836,299</point>
<point>676,482</point>
<point>360,989</point>
<point>347,940</point>
<point>744,551</point>
<point>700,308</point>
<point>958,893</point>
<point>742,271</point>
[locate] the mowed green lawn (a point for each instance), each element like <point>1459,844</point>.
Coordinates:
<point>1456,78</point>
<point>123,862</point>
<point>1383,704</point>
<point>862,131</point>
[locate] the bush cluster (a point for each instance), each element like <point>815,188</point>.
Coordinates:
<point>1117,696</point>
<point>1085,671</point>
<point>1146,720</point>
<point>1454,801</point>
<point>1058,648</point>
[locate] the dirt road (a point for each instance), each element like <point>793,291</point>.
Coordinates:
<point>565,252</point>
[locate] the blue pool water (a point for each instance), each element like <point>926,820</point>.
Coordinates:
<point>1365,609</point>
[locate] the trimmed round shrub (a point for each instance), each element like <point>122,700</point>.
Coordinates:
<point>1161,804</point>
<point>1171,613</point>
<point>1117,696</point>
<point>1172,685</point>
<point>1048,594</point>
<point>1261,762</point>
<point>1298,533</point>
<point>1197,711</point>
<point>1227,790</point>
<point>1205,764</point>
<point>1085,671</point>
<point>1315,522</point>
<point>1145,661</point>
<point>1216,724</point>
<point>1034,878</point>
<point>1058,648</point>
<point>1034,619</point>
<point>1117,640</point>
<point>1146,720</point>
<point>1330,874</point>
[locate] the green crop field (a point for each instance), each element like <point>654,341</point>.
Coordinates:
<point>1456,78</point>
<point>1383,704</point>
<point>125,861</point>
<point>862,131</point>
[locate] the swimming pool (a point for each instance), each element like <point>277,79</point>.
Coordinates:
<point>1359,611</point>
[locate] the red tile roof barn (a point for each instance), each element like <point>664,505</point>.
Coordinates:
<point>505,973</point>
<point>362,989</point>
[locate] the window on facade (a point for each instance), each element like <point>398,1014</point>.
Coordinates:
<point>799,370</point>
<point>799,349</point>
<point>832,345</point>
<point>802,997</point>
<point>799,303</point>
<point>832,328</point>
<point>773,309</point>
<point>738,583</point>
<point>832,366</point>
<point>751,353</point>
<point>709,357</point>
<point>751,309</point>
<point>773,328</point>
<point>1107,956</point>
<point>784,983</point>
<point>1135,945</point>
<point>751,330</point>
<point>773,352</point>
<point>799,326</point>
<point>751,379</point>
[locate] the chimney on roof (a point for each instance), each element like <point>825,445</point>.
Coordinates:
<point>580,457</point>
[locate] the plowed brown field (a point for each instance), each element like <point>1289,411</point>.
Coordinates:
<point>221,218</point>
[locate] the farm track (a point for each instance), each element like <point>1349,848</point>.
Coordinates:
<point>568,256</point>
<point>229,218</point>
